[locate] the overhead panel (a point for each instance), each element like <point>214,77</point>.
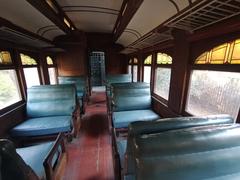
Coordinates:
<point>22,14</point>
<point>204,14</point>
<point>151,14</point>
<point>92,16</point>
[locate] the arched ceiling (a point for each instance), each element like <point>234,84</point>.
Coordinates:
<point>92,15</point>
<point>150,14</point>
<point>23,14</point>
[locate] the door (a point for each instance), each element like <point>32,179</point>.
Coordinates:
<point>97,64</point>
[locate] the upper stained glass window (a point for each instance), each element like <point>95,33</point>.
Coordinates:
<point>27,60</point>
<point>148,60</point>
<point>227,53</point>
<point>5,58</point>
<point>163,58</point>
<point>49,60</point>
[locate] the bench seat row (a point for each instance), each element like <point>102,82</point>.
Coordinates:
<point>51,110</point>
<point>131,102</point>
<point>182,148</point>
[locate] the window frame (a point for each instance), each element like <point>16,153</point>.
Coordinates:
<point>148,65</point>
<point>13,66</point>
<point>133,63</point>
<point>37,59</point>
<point>156,65</point>
<point>54,65</point>
<point>210,67</point>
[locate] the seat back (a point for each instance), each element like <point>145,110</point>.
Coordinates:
<point>200,153</point>
<point>51,100</point>
<point>118,78</point>
<point>137,129</point>
<point>149,127</point>
<point>79,81</point>
<point>134,96</point>
<point>13,166</point>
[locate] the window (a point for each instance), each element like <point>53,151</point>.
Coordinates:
<point>215,92</point>
<point>51,70</point>
<point>227,53</point>
<point>130,66</point>
<point>135,69</point>
<point>163,75</point>
<point>5,58</point>
<point>30,70</point>
<point>147,69</point>
<point>9,87</point>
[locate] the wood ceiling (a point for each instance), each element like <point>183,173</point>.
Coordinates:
<point>135,24</point>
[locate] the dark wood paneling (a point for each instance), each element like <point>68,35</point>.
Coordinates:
<point>11,118</point>
<point>179,71</point>
<point>128,9</point>
<point>162,109</point>
<point>115,63</point>
<point>72,62</point>
<point>75,60</point>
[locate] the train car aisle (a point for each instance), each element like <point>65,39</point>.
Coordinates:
<point>90,155</point>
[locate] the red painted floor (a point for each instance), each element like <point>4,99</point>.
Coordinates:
<point>90,155</point>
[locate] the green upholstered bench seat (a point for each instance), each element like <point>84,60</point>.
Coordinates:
<point>193,153</point>
<point>43,126</point>
<point>122,119</point>
<point>81,86</point>
<point>49,110</point>
<point>213,164</point>
<point>162,126</point>
<point>35,162</point>
<point>34,156</point>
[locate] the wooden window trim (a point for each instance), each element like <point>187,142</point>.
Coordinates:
<point>155,66</point>
<point>211,67</point>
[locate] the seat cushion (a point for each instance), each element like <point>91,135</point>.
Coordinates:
<point>121,146</point>
<point>34,156</point>
<point>123,118</point>
<point>43,126</point>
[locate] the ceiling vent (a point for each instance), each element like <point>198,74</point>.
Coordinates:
<point>205,13</point>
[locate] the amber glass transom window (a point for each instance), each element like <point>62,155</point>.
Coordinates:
<point>5,58</point>
<point>49,60</point>
<point>163,58</point>
<point>228,53</point>
<point>27,60</point>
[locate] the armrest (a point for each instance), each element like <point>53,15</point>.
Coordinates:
<point>54,161</point>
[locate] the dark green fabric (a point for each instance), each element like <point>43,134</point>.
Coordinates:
<point>197,166</point>
<point>162,126</point>
<point>79,81</point>
<point>51,100</point>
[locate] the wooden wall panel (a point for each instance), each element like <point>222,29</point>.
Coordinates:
<point>115,63</point>
<point>72,62</point>
<point>11,118</point>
